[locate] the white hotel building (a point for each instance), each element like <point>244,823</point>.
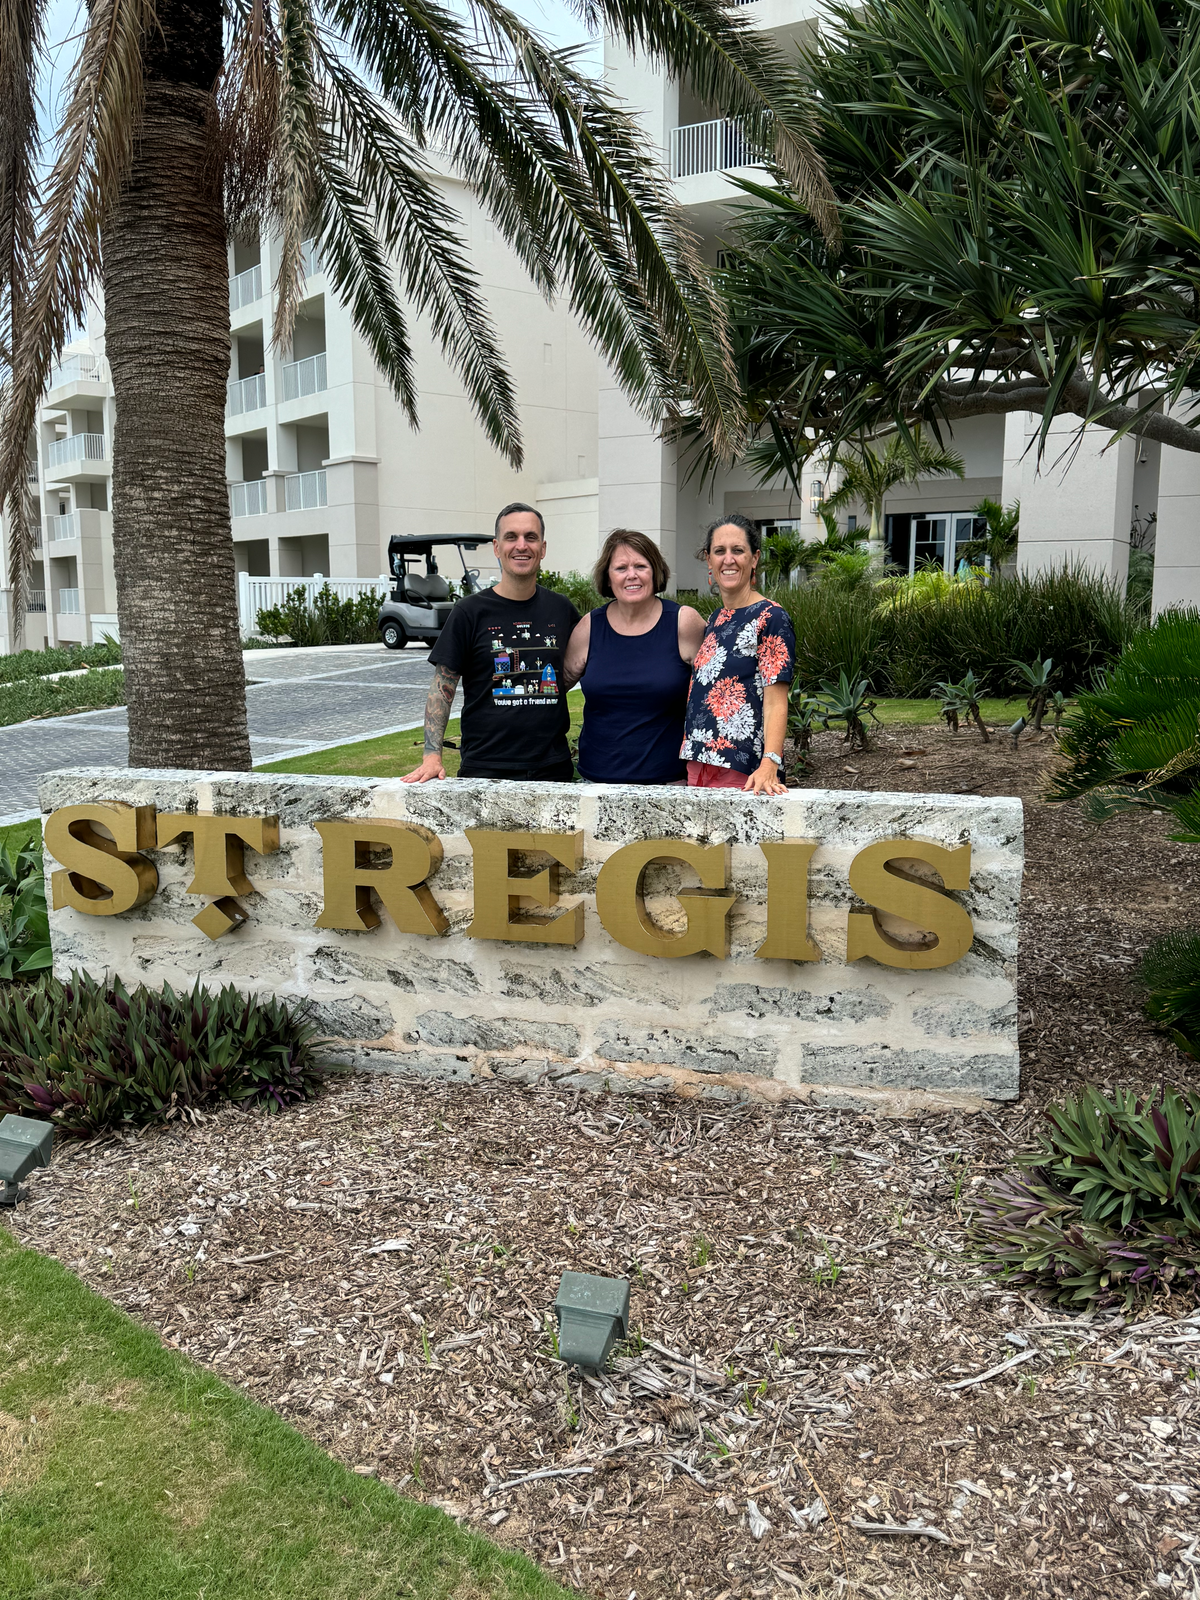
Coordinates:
<point>323,468</point>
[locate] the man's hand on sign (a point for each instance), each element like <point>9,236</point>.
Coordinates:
<point>431,767</point>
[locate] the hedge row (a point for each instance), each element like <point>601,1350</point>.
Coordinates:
<point>904,637</point>
<point>56,697</point>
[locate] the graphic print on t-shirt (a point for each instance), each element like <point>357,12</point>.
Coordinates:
<point>522,671</point>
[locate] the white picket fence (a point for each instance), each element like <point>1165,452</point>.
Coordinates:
<point>260,594</point>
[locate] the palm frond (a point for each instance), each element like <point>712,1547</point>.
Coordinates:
<point>572,185</point>
<point>20,42</point>
<point>417,231</point>
<point>297,142</point>
<point>94,143</point>
<point>731,65</point>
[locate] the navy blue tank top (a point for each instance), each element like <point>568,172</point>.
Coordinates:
<point>635,690</point>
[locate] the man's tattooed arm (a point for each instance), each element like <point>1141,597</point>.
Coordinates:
<point>437,709</point>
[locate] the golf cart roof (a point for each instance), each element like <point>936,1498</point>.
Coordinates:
<point>422,544</point>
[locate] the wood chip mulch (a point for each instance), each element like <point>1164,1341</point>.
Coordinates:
<point>810,1402</point>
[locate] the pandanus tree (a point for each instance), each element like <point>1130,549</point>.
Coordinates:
<point>1020,218</point>
<point>187,121</point>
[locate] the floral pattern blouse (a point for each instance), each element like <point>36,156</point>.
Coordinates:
<point>741,653</point>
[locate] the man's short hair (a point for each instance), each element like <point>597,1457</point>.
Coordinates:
<point>519,505</point>
<point>645,547</point>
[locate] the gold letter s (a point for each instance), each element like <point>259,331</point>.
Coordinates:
<point>101,877</point>
<point>878,877</point>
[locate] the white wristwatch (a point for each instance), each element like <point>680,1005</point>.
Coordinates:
<point>770,755</point>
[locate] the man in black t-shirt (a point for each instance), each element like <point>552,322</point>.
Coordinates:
<point>507,645</point>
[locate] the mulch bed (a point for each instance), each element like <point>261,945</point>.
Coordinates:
<point>379,1266</point>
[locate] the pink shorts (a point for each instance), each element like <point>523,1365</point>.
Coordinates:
<point>702,775</point>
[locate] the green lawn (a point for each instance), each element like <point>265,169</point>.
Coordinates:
<point>1001,712</point>
<point>394,754</point>
<point>398,753</point>
<point>126,1471</point>
<point>17,835</point>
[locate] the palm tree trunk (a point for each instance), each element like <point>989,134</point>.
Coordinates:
<point>875,535</point>
<point>166,304</point>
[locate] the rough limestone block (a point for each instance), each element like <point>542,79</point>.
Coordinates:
<point>599,1016</point>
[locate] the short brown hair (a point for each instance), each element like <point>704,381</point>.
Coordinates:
<point>660,572</point>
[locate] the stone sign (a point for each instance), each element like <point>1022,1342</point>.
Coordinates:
<point>847,947</point>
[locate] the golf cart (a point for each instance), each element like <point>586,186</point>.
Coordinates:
<point>420,602</point>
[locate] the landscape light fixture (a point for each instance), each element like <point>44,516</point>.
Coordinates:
<point>593,1313</point>
<point>25,1143</point>
<point>1017,729</point>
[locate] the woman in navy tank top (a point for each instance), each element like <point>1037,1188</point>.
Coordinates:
<point>633,660</point>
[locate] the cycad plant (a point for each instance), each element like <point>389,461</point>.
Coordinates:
<point>1133,744</point>
<point>188,121</point>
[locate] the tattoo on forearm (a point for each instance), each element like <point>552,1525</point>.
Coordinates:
<point>437,709</point>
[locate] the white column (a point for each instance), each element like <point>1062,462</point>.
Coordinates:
<point>1177,533</point>
<point>1077,508</point>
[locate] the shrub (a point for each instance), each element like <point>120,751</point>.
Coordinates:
<point>59,697</point>
<point>1110,1211</point>
<point>578,588</point>
<point>94,1057</point>
<point>323,618</point>
<point>24,924</point>
<point>60,658</point>
<point>1170,972</point>
<point>837,630</point>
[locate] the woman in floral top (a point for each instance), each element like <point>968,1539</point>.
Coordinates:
<point>737,703</point>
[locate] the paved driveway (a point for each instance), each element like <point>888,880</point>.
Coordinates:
<point>298,700</point>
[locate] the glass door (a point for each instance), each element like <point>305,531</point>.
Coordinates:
<point>928,541</point>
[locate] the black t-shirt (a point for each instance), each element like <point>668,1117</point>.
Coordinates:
<point>509,655</point>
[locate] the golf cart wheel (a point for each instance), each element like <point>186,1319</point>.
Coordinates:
<point>393,635</point>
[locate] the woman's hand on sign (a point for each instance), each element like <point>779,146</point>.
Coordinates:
<point>765,779</point>
<point>431,767</point>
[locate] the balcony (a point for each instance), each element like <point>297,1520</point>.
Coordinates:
<point>64,527</point>
<point>246,394</point>
<point>36,601</point>
<point>31,473</point>
<point>245,288</point>
<point>708,147</point>
<point>304,491</point>
<point>77,447</point>
<point>83,367</point>
<point>68,602</point>
<point>301,378</point>
<point>248,498</point>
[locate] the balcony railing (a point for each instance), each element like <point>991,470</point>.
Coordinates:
<point>305,377</point>
<point>64,527</point>
<point>708,147</point>
<point>77,447</point>
<point>245,288</point>
<point>36,601</point>
<point>303,491</point>
<point>31,472</point>
<point>83,367</point>
<point>68,602</point>
<point>247,394</point>
<point>249,498</point>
